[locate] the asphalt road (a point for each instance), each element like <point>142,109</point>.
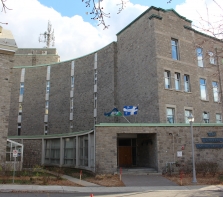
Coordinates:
<point>191,193</point>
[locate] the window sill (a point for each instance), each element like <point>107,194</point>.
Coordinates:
<point>168,89</point>
<point>217,102</point>
<point>204,100</point>
<point>188,92</point>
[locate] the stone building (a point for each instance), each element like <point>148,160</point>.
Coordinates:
<point>7,50</point>
<point>159,62</point>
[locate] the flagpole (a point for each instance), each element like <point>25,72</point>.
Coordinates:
<point>137,113</point>
<point>126,119</point>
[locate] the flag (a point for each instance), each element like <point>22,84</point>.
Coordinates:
<point>114,112</point>
<point>130,110</point>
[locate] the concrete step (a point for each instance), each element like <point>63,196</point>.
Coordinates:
<point>139,171</point>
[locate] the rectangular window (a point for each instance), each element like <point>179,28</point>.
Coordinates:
<point>46,107</point>
<point>45,128</point>
<point>72,81</point>
<point>48,69</point>
<point>170,115</point>
<point>212,58</point>
<point>203,89</point>
<point>187,113</point>
<point>218,118</point>
<point>177,81</point>
<point>47,86</point>
<point>21,88</point>
<point>174,47</point>
<point>186,83</point>
<point>206,117</point>
<point>200,57</point>
<point>95,77</point>
<point>71,105</point>
<point>167,79</point>
<point>215,91</point>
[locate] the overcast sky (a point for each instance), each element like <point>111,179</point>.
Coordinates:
<point>75,33</point>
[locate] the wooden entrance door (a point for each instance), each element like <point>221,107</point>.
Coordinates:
<point>125,156</point>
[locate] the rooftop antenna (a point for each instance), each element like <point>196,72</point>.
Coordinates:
<point>48,36</point>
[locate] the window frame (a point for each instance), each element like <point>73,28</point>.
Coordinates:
<point>187,87</point>
<point>172,115</point>
<point>200,59</point>
<point>205,88</point>
<point>21,90</point>
<point>206,120</point>
<point>212,57</point>
<point>174,49</point>
<point>218,118</point>
<point>186,117</point>
<point>177,79</point>
<point>215,91</point>
<point>167,78</point>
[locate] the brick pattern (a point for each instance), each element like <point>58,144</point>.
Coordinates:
<point>164,146</point>
<point>6,63</point>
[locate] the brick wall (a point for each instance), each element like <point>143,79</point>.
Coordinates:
<point>165,146</point>
<point>6,63</point>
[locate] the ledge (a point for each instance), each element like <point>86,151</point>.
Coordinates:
<point>158,125</point>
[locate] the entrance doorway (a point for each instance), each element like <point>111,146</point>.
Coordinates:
<point>137,150</point>
<point>126,152</point>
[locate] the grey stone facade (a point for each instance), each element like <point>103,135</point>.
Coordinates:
<point>7,50</point>
<point>35,56</point>
<point>127,72</point>
<point>164,141</point>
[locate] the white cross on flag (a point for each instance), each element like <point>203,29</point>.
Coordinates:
<point>130,110</point>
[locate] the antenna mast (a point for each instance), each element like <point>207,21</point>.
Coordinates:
<point>48,36</point>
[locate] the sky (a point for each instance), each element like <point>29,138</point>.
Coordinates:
<point>76,34</point>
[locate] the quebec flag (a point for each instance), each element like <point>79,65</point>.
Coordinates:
<point>130,110</point>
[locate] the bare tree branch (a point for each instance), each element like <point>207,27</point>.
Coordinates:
<point>99,14</point>
<point>4,7</point>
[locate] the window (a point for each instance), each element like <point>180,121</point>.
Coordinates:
<point>47,86</point>
<point>167,79</point>
<point>200,57</point>
<point>71,105</point>
<point>174,47</point>
<point>203,89</point>
<point>177,81</point>
<point>21,88</point>
<point>212,57</point>
<point>45,128</point>
<point>187,113</point>
<point>19,128</point>
<point>95,77</point>
<point>206,117</point>
<point>48,69</point>
<point>186,83</point>
<point>20,109</point>
<point>215,91</point>
<point>218,118</point>
<point>170,115</point>
<point>72,81</point>
<point>46,107</point>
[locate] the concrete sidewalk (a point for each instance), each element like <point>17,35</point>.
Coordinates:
<point>146,180</point>
<point>68,189</point>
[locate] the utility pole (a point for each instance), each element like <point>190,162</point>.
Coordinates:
<point>48,36</point>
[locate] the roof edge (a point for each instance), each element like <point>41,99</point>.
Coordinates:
<point>203,34</point>
<point>158,125</point>
<point>52,64</point>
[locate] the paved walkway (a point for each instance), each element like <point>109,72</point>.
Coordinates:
<point>146,180</point>
<point>134,183</point>
<point>68,189</point>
